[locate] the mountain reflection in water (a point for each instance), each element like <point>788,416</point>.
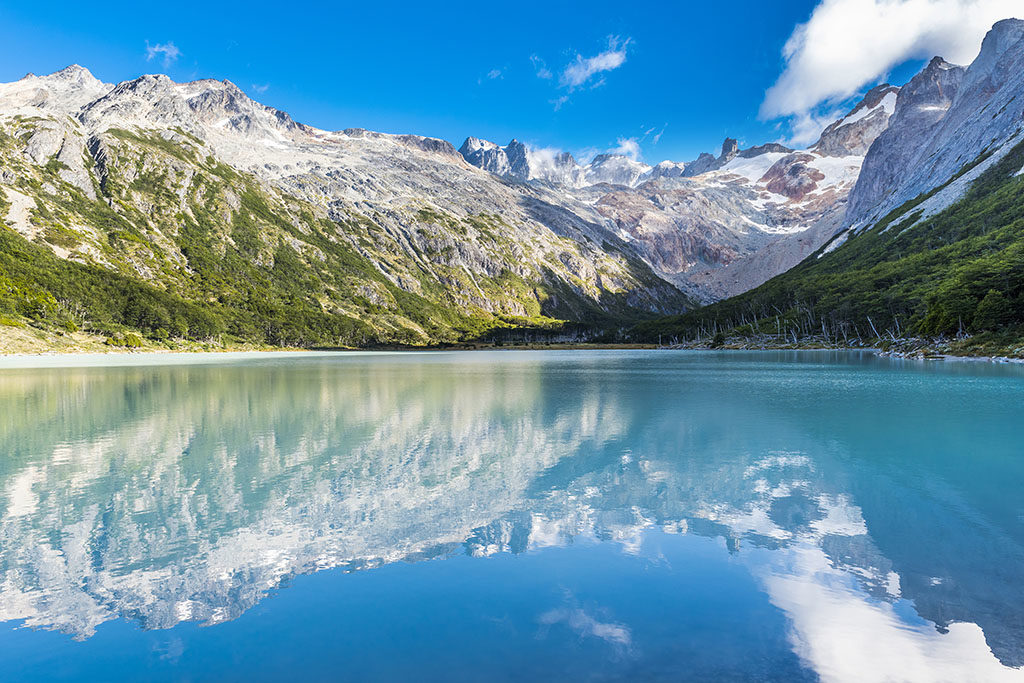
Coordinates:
<point>875,504</point>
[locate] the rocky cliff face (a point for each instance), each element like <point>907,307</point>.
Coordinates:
<point>950,124</point>
<point>615,169</point>
<point>919,109</point>
<point>516,161</point>
<point>853,134</point>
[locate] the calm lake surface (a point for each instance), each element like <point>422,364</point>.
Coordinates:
<point>500,516</point>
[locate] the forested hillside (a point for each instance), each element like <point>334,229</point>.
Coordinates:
<point>955,273</point>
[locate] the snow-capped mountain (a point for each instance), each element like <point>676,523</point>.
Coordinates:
<point>696,231</point>
<point>930,243</point>
<point>950,123</point>
<point>854,133</point>
<point>127,177</point>
<point>717,225</point>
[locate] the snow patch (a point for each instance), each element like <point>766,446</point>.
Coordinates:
<point>835,244</point>
<point>888,105</point>
<point>837,170</point>
<point>754,168</point>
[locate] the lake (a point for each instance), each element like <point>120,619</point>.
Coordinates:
<point>512,515</point>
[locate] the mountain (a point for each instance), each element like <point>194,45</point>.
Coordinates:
<point>954,121</point>
<point>718,225</point>
<point>932,241</point>
<point>855,132</point>
<point>190,210</point>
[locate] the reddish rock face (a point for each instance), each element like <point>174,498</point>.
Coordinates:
<point>792,177</point>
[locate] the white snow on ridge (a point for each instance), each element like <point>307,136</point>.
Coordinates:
<point>888,104</point>
<point>838,170</point>
<point>752,169</point>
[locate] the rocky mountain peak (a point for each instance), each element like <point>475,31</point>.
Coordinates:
<point>1002,38</point>
<point>518,159</point>
<point>486,155</point>
<point>730,148</point>
<point>472,144</point>
<point>950,124</point>
<point>767,148</point>
<point>615,169</point>
<point>668,169</point>
<point>853,134</point>
<point>64,91</point>
<point>706,162</point>
<point>75,74</point>
<point>931,90</point>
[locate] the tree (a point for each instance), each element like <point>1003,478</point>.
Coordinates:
<point>993,312</point>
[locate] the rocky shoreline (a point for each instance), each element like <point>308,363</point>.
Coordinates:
<point>916,348</point>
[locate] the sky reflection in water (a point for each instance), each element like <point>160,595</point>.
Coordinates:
<point>598,515</point>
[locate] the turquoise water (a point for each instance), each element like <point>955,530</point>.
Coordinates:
<point>500,516</point>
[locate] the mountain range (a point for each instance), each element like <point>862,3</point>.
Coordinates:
<point>166,210</point>
<point>932,240</point>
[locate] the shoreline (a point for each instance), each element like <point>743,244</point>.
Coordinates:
<point>129,357</point>
<point>23,345</point>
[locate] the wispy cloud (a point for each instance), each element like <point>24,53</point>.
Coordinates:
<point>585,155</point>
<point>631,146</point>
<point>805,127</point>
<point>587,625</point>
<point>540,67</point>
<point>169,51</point>
<point>559,102</point>
<point>849,44</point>
<point>580,71</point>
<point>627,147</point>
<point>492,75</point>
<point>260,88</point>
<point>583,73</point>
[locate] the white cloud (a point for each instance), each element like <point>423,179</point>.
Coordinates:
<point>169,51</point>
<point>586,625</point>
<point>627,147</point>
<point>585,155</point>
<point>540,67</point>
<point>805,127</point>
<point>848,44</point>
<point>494,73</point>
<point>584,72</point>
<point>260,88</point>
<point>847,634</point>
<point>544,158</point>
<point>580,71</point>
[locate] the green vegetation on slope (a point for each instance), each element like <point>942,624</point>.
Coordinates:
<point>958,272</point>
<point>179,246</point>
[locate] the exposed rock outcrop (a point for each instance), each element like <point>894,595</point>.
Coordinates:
<point>950,124</point>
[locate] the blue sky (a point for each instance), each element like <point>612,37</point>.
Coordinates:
<point>661,80</point>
